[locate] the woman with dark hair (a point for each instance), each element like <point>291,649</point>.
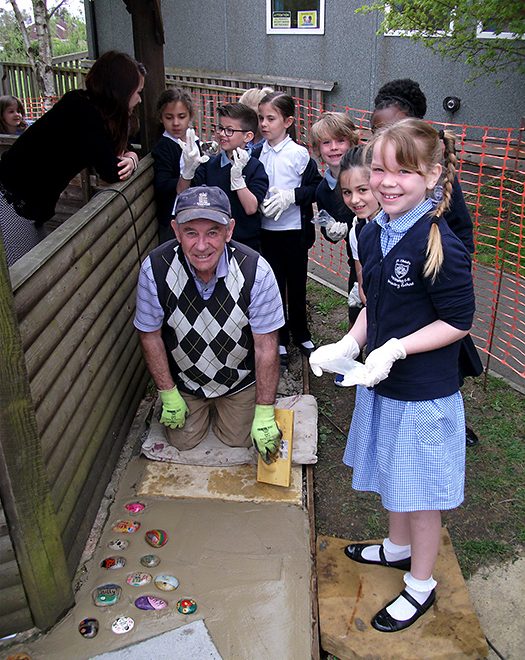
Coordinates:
<point>86,128</point>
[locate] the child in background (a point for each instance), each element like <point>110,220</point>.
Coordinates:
<point>175,109</point>
<point>403,98</point>
<point>11,115</point>
<point>233,170</point>
<point>397,100</point>
<point>252,97</point>
<point>332,136</point>
<point>287,231</point>
<point>354,183</point>
<point>406,440</point>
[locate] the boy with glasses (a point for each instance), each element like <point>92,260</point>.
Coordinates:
<point>242,177</point>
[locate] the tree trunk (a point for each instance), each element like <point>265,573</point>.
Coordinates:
<point>44,55</point>
<point>40,57</point>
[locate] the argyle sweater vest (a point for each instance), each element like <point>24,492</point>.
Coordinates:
<point>209,342</point>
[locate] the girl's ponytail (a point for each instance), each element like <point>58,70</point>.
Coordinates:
<point>449,169</point>
<point>434,252</point>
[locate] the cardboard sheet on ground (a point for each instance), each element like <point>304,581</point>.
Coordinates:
<point>211,451</point>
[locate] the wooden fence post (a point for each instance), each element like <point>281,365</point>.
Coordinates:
<point>24,489</point>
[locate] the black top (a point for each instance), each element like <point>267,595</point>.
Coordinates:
<point>166,155</point>
<point>43,160</point>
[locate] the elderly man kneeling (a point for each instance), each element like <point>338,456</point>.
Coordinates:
<point>208,311</point>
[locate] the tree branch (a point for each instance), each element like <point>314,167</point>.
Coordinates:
<point>55,9</point>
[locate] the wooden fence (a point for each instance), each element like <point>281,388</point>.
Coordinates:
<point>74,297</point>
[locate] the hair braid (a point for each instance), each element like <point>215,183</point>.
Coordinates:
<point>450,162</point>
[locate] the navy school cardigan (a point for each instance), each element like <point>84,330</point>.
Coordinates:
<point>400,301</point>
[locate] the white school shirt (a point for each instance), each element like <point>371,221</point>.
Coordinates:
<point>284,164</point>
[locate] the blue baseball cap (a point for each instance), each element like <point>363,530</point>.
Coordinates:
<point>202,203</point>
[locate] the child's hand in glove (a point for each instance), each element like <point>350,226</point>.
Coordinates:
<point>380,361</point>
<point>191,156</point>
<point>336,230</point>
<point>274,206</point>
<point>240,160</point>
<point>346,348</point>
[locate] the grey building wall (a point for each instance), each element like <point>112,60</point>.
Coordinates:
<point>230,36</point>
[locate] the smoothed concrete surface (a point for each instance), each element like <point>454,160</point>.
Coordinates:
<point>498,595</point>
<point>247,565</point>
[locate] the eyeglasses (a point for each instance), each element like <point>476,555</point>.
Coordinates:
<point>228,132</point>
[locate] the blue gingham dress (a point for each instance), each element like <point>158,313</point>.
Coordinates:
<point>410,452</point>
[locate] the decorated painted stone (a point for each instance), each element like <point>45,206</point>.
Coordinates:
<point>118,544</point>
<point>135,507</point>
<point>122,624</point>
<point>113,563</point>
<point>166,582</point>
<point>138,579</point>
<point>150,561</point>
<point>186,606</point>
<point>150,603</point>
<point>88,628</point>
<point>126,526</point>
<point>106,595</point>
<point>157,537</point>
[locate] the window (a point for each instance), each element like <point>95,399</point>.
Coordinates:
<point>439,24</point>
<point>494,29</point>
<point>295,16</point>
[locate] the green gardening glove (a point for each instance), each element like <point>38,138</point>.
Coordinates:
<point>174,409</point>
<point>265,434</point>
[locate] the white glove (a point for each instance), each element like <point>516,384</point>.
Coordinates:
<point>346,348</point>
<point>240,160</point>
<point>336,230</point>
<point>353,296</point>
<point>380,361</point>
<point>274,206</point>
<point>191,156</point>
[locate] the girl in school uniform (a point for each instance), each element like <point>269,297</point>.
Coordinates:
<point>175,109</point>
<point>287,231</point>
<point>406,440</point>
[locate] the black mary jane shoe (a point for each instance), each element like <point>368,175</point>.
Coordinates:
<point>470,437</point>
<point>384,622</point>
<point>355,552</point>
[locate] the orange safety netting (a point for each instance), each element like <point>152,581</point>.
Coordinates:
<point>491,169</point>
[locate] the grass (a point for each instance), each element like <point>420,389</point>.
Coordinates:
<point>328,301</point>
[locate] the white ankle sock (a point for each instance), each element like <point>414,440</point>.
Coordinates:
<point>393,552</point>
<point>420,590</point>
<point>282,350</point>
<point>308,344</point>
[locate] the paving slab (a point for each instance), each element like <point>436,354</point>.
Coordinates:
<point>350,594</point>
<point>235,483</point>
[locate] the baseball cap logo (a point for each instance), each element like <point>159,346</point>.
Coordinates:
<point>203,199</point>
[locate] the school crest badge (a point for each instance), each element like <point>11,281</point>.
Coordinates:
<point>400,277</point>
<point>401,268</point>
